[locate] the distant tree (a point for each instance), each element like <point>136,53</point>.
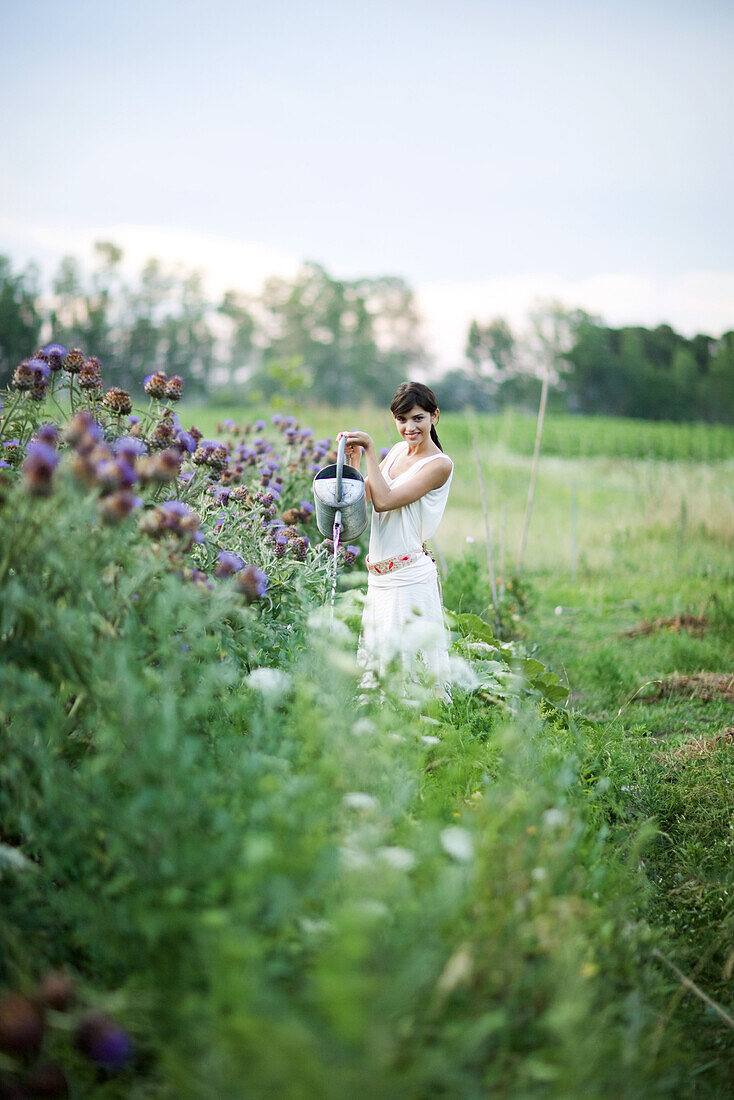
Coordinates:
<point>491,348</point>
<point>20,319</point>
<point>357,339</point>
<point>239,341</point>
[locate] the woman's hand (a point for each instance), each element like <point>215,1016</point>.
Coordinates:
<point>356,443</point>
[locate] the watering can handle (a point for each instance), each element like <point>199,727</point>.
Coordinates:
<point>339,467</point>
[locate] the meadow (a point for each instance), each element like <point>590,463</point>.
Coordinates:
<point>223,872</point>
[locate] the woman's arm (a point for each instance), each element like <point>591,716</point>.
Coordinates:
<point>383,497</point>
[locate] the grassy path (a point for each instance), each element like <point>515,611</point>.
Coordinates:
<point>668,761</point>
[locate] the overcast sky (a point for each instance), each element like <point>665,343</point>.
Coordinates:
<point>489,151</point>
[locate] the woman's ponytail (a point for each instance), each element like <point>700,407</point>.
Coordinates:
<point>434,437</point>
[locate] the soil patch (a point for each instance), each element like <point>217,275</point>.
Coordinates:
<point>702,746</point>
<point>705,686</point>
<point>673,624</point>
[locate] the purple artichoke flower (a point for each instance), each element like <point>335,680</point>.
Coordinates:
<point>55,355</point>
<point>129,447</point>
<point>252,583</point>
<point>228,563</point>
<point>40,368</point>
<point>175,508</point>
<point>276,419</point>
<point>186,440</point>
<point>47,433</point>
<point>133,419</point>
<point>259,426</point>
<point>40,463</point>
<point>103,1041</point>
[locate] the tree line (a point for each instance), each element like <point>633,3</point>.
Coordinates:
<point>343,342</point>
<point>632,371</point>
<point>315,337</point>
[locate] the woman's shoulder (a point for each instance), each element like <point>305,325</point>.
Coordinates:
<point>442,459</point>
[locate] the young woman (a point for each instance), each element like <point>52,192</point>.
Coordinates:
<point>403,615</point>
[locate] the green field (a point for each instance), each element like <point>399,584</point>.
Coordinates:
<point>277,886</point>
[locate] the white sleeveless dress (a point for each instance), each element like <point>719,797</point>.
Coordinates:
<point>403,622</point>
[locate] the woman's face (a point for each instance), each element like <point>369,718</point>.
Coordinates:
<point>415,426</point>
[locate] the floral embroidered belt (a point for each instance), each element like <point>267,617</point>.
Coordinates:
<point>389,565</point>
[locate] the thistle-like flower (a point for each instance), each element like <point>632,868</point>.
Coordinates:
<point>252,583</point>
<point>212,454</point>
<point>298,547</point>
<point>118,401</point>
<point>116,506</point>
<point>228,563</point>
<point>164,433</point>
<point>241,495</point>
<point>175,518</point>
<point>174,387</point>
<point>40,463</point>
<point>160,467</point>
<point>129,447</point>
<point>90,376</point>
<point>155,384</point>
<point>38,393</point>
<point>103,1041</point>
<point>24,377</point>
<point>55,355</point>
<point>47,433</point>
<point>57,990</point>
<point>11,452</point>
<point>83,432</point>
<point>21,1024</point>
<point>74,361</point>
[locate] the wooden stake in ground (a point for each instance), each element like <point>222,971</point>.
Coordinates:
<point>574,529</point>
<point>533,473</point>
<point>503,541</point>
<point>490,559</point>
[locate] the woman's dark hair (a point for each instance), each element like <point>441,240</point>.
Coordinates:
<point>411,394</point>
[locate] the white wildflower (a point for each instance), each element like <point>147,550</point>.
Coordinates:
<point>429,739</point>
<point>270,682</point>
<point>553,818</point>
<point>402,859</point>
<point>461,674</point>
<point>353,858</point>
<point>15,860</point>
<point>457,843</point>
<point>363,727</point>
<point>359,800</point>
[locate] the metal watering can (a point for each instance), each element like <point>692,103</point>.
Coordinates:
<point>340,498</point>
